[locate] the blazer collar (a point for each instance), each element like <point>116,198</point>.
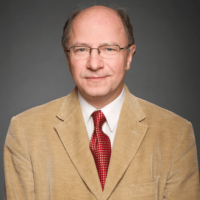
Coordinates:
<point>128,138</point>
<point>69,104</point>
<point>131,107</point>
<point>73,135</point>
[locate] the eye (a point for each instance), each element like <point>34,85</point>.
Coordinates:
<point>80,50</point>
<point>109,49</point>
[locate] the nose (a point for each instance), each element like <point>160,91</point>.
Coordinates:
<point>95,61</point>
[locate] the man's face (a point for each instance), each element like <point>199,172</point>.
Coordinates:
<point>97,77</point>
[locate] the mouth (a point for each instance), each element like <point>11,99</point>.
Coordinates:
<point>96,79</point>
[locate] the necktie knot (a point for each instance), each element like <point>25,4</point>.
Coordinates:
<point>98,118</point>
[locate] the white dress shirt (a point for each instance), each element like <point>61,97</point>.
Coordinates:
<point>110,111</point>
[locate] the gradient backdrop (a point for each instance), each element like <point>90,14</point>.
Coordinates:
<point>164,71</point>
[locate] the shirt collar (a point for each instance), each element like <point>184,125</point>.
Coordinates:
<point>111,111</point>
<point>87,109</point>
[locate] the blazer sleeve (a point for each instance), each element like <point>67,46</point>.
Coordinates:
<point>19,176</point>
<point>183,179</point>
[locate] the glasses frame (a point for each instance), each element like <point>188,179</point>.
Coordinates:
<point>120,48</point>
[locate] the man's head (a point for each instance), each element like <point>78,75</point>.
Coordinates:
<point>99,78</point>
<point>120,11</point>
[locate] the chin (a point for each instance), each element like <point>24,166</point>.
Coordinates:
<point>96,92</point>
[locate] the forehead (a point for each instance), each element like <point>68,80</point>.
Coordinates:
<point>96,25</point>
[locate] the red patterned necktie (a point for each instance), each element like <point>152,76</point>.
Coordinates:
<point>100,146</point>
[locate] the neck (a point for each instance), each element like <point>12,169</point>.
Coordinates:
<point>101,101</point>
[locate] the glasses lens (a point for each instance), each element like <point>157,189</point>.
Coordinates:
<point>80,52</point>
<point>109,51</point>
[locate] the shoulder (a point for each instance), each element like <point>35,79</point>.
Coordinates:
<point>165,127</point>
<point>42,115</point>
<point>160,115</point>
<point>49,108</point>
<point>151,114</point>
<point>48,114</point>
<point>32,123</point>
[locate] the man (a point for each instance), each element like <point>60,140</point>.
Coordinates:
<point>100,141</point>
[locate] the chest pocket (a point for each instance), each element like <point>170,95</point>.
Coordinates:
<point>145,191</point>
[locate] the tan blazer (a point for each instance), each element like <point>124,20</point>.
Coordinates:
<point>47,155</point>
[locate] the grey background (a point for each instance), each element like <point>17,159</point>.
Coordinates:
<point>164,71</point>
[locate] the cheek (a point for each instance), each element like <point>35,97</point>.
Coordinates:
<point>117,66</point>
<point>77,67</point>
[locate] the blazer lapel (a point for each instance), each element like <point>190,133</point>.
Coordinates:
<point>73,134</point>
<point>129,135</point>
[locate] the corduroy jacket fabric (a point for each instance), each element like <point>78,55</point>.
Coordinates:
<point>47,155</point>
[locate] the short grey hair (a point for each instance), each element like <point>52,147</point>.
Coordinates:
<point>122,13</point>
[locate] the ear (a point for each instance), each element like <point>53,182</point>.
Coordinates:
<point>131,52</point>
<point>68,63</point>
<point>69,68</point>
<point>68,59</point>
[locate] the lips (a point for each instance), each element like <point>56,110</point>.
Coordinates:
<point>95,79</point>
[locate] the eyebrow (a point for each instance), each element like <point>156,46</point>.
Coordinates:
<point>80,44</point>
<point>86,44</point>
<point>111,43</point>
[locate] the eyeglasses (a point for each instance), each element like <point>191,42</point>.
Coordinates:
<point>106,51</point>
